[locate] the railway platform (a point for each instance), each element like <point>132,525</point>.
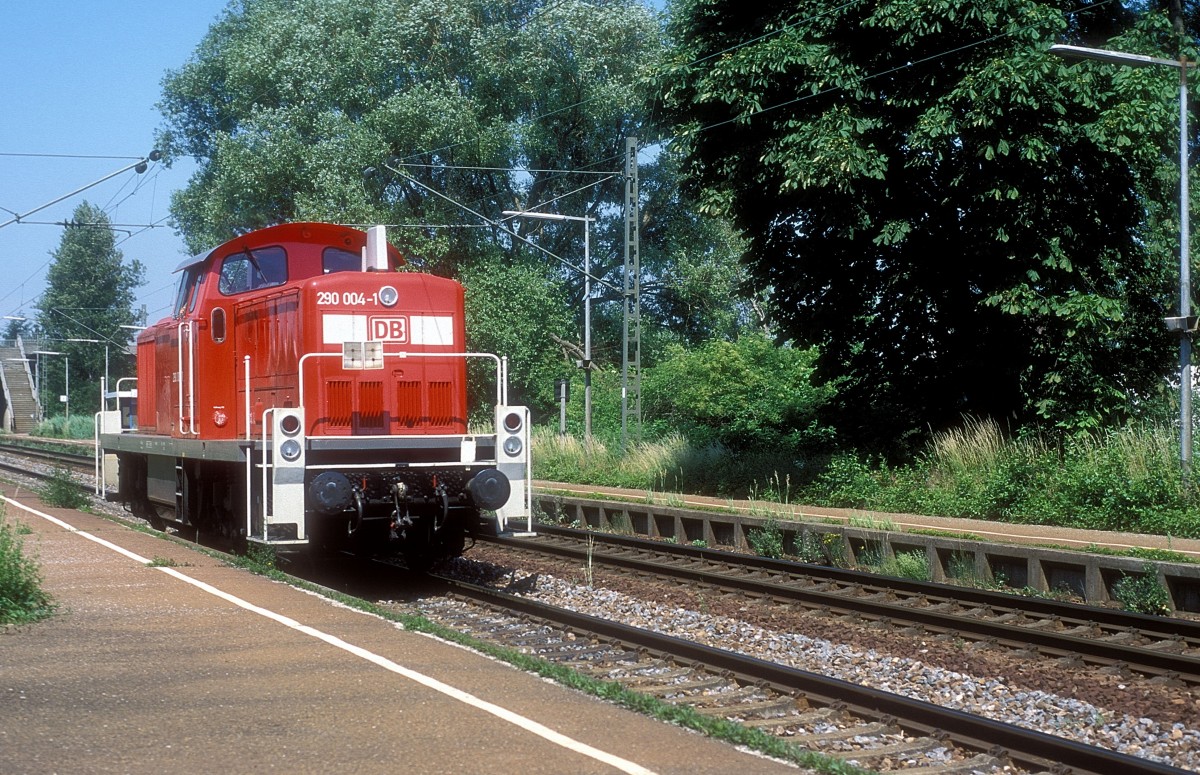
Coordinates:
<point>1087,564</point>
<point>161,656</point>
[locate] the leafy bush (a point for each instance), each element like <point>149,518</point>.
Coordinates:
<point>746,395</point>
<point>63,491</point>
<point>22,598</point>
<point>766,541</point>
<point>1143,593</point>
<point>847,482</point>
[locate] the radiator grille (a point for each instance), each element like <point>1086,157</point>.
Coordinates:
<point>441,404</point>
<point>340,402</point>
<point>370,405</point>
<point>408,404</point>
<point>354,406</point>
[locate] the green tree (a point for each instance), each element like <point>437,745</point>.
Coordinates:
<point>958,219</point>
<point>518,312</point>
<point>89,295</point>
<point>420,113</point>
<point>744,395</point>
<point>23,328</point>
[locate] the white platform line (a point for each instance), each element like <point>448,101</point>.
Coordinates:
<point>511,717</point>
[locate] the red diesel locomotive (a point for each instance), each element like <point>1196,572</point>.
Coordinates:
<point>305,390</point>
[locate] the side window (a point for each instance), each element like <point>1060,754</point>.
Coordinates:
<point>195,294</point>
<point>251,270</point>
<point>185,295</point>
<point>338,260</point>
<point>218,325</point>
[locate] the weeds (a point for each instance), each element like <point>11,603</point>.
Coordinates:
<point>907,565</point>
<point>912,565</point>
<point>22,599</point>
<point>820,548</point>
<point>61,490</point>
<point>1125,479</point>
<point>870,523</point>
<point>59,427</point>
<point>767,540</point>
<point>1143,593</point>
<point>588,570</point>
<point>259,558</point>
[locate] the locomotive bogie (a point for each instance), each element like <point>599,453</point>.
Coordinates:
<point>306,391</point>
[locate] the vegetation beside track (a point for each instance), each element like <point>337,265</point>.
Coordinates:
<point>1125,479</point>
<point>22,599</point>
<point>59,427</point>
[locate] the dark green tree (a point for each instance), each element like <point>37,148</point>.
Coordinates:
<point>18,328</point>
<point>89,295</point>
<point>517,312</point>
<point>963,223</point>
<point>746,395</point>
<point>422,113</point>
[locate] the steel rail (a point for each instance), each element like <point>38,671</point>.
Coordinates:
<point>1025,747</point>
<point>1158,626</point>
<point>1152,662</point>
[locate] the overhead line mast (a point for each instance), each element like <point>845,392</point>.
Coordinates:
<point>631,361</point>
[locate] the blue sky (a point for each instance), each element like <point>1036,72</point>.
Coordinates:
<point>81,78</point>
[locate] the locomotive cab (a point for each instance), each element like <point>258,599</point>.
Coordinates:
<point>306,389</point>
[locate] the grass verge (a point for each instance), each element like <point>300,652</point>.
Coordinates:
<point>22,598</point>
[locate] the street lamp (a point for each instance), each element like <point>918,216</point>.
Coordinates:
<point>586,363</point>
<point>1185,322</point>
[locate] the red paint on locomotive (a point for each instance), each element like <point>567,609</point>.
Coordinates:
<point>319,324</point>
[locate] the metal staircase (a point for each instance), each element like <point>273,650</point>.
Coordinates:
<point>20,411</point>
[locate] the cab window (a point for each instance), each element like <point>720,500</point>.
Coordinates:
<point>338,260</point>
<point>185,295</point>
<point>252,270</point>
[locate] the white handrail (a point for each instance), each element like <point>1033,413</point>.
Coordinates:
<point>191,378</point>
<point>101,485</point>
<point>246,371</point>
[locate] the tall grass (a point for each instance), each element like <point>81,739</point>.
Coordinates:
<point>59,427</point>
<point>670,464</point>
<point>1126,479</point>
<point>22,598</point>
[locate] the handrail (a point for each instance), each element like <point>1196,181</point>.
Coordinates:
<point>99,474</point>
<point>191,377</point>
<point>265,490</point>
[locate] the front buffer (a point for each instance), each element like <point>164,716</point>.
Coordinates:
<point>418,496</point>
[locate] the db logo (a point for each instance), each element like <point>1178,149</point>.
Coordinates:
<point>389,329</point>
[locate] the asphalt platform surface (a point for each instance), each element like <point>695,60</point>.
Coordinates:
<point>161,658</point>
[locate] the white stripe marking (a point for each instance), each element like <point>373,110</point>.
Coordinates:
<point>504,714</point>
<point>431,330</point>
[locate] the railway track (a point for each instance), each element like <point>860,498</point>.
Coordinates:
<point>1152,648</point>
<point>876,730</point>
<point>805,712</point>
<point>73,457</point>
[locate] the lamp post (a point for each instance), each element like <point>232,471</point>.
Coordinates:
<point>1184,324</point>
<point>586,363</point>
